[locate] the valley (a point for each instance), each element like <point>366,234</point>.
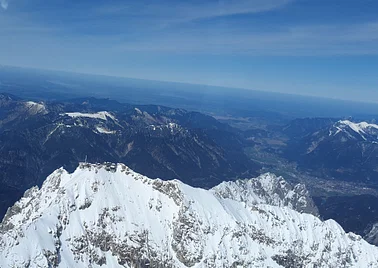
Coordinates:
<point>350,200</point>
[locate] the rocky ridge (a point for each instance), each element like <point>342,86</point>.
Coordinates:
<point>108,215</point>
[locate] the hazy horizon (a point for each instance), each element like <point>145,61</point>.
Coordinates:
<point>192,84</point>
<point>287,46</point>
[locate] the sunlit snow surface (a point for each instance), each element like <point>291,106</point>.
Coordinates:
<point>362,128</point>
<point>35,108</point>
<point>99,115</point>
<point>111,216</point>
<point>103,130</point>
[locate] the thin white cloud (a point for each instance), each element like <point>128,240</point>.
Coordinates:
<point>4,4</point>
<point>210,9</point>
<point>144,35</point>
<point>189,10</point>
<point>360,39</point>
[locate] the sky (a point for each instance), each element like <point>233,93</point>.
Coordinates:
<point>326,48</point>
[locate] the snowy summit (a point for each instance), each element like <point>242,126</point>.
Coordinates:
<point>362,129</point>
<point>107,215</point>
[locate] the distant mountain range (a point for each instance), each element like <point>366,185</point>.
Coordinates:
<point>266,106</point>
<point>39,137</point>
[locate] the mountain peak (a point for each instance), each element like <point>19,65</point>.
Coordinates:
<point>35,108</point>
<point>362,129</point>
<point>107,214</point>
<point>268,189</point>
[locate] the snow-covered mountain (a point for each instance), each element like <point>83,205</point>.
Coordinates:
<point>344,131</point>
<point>344,150</point>
<point>107,215</point>
<point>358,131</point>
<point>268,189</point>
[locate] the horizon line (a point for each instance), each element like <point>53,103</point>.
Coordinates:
<point>189,84</point>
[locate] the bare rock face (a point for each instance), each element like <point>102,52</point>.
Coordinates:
<point>106,215</point>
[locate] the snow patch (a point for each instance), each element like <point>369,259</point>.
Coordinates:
<point>103,130</point>
<point>169,126</point>
<point>99,115</point>
<point>35,108</point>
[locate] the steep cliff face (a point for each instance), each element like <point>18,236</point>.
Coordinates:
<point>107,215</point>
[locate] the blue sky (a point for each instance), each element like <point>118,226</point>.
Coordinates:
<point>311,47</point>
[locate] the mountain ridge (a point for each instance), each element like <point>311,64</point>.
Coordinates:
<point>106,214</point>
<point>39,137</point>
<point>342,149</point>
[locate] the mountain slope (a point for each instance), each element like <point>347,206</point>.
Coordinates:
<point>38,137</point>
<point>268,189</point>
<point>372,235</point>
<point>301,127</point>
<point>109,215</point>
<point>344,150</point>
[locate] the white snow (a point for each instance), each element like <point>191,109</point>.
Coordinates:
<point>372,235</point>
<point>99,115</point>
<point>103,130</point>
<point>110,213</point>
<point>171,126</point>
<point>362,128</point>
<point>268,189</point>
<point>53,131</point>
<point>35,108</point>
